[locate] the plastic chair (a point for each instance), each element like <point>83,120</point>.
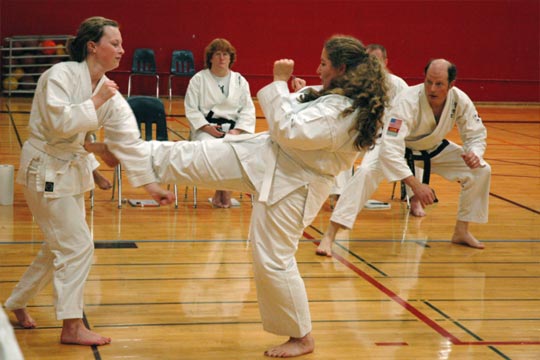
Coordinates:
<point>148,110</point>
<point>182,64</point>
<point>144,64</point>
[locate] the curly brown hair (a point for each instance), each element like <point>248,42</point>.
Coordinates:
<point>364,81</point>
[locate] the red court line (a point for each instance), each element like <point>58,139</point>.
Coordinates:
<point>417,313</point>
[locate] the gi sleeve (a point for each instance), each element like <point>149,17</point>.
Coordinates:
<point>63,118</point>
<point>471,129</point>
<point>392,151</point>
<point>122,137</point>
<point>312,127</point>
<point>192,103</point>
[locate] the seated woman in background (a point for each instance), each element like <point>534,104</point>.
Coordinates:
<point>218,102</point>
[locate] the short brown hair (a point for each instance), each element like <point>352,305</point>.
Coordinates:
<point>219,45</point>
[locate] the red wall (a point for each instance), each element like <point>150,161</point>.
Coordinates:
<point>495,43</point>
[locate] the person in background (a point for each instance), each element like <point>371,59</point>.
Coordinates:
<point>74,98</point>
<point>367,176</point>
<point>218,102</point>
<point>414,136</point>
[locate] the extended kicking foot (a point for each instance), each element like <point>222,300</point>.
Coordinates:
<point>416,208</point>
<point>293,347</point>
<point>74,332</point>
<point>24,319</point>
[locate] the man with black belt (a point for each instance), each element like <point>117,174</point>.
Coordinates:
<point>419,121</point>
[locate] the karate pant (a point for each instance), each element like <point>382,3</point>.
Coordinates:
<point>341,181</point>
<point>9,348</point>
<point>274,234</point>
<point>358,189</point>
<point>65,256</point>
<point>475,183</point>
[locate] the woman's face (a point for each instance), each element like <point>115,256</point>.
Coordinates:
<point>220,60</point>
<point>108,50</point>
<point>327,71</point>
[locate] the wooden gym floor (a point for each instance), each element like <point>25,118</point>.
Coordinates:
<point>177,283</point>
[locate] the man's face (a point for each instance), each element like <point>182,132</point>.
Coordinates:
<point>436,84</point>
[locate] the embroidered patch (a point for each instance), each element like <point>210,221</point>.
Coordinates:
<point>49,186</point>
<point>394,126</point>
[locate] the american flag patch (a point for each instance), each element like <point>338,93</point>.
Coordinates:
<point>393,127</point>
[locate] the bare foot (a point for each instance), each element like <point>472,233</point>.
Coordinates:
<point>74,332</point>
<point>226,199</point>
<point>416,208</point>
<point>293,347</point>
<point>467,239</point>
<point>102,182</point>
<point>216,200</point>
<point>325,246</point>
<point>24,318</point>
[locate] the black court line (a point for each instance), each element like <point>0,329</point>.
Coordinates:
<point>364,261</point>
<point>461,326</point>
<point>95,350</point>
<point>510,121</point>
<point>14,126</point>
<point>514,132</point>
<point>515,203</point>
<point>115,245</point>
<point>512,162</point>
<point>25,112</point>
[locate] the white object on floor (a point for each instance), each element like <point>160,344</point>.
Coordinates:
<point>377,205</point>
<point>234,202</point>
<point>143,203</point>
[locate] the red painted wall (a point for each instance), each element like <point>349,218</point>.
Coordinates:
<point>495,43</point>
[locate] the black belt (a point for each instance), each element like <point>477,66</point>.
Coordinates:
<point>219,121</point>
<point>426,157</point>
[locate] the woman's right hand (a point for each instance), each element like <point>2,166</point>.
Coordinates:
<point>107,91</point>
<point>283,69</point>
<point>212,130</point>
<point>162,196</point>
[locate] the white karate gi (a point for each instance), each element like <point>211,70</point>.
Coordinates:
<point>9,347</point>
<point>290,169</point>
<point>413,125</point>
<point>367,177</point>
<point>56,171</point>
<point>203,95</point>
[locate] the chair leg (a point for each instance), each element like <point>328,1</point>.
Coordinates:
<point>129,86</point>
<point>115,180</point>
<point>91,199</point>
<point>175,196</point>
<point>170,95</point>
<point>119,177</point>
<point>194,196</point>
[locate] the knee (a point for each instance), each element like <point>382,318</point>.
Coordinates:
<point>483,172</point>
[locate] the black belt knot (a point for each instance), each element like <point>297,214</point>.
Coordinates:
<point>425,156</point>
<point>219,121</point>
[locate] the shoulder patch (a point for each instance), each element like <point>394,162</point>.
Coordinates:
<point>394,126</point>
